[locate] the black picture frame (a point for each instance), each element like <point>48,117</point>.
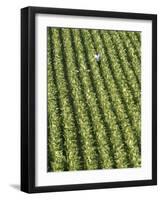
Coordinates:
<point>28,98</point>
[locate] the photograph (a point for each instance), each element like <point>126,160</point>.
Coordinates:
<point>89,99</point>
<point>93,99</point>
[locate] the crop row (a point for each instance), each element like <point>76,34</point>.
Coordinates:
<point>118,98</point>
<point>122,123</point>
<point>125,63</point>
<point>135,62</point>
<point>70,130</point>
<point>98,101</point>
<point>93,113</point>
<point>132,109</point>
<point>55,138</point>
<point>135,42</point>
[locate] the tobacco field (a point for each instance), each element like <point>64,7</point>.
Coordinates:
<point>94,107</point>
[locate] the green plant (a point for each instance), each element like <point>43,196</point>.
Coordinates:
<point>93,107</point>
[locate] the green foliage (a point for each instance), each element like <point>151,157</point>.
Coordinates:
<point>93,107</point>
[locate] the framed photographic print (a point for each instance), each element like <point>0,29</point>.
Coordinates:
<point>88,99</point>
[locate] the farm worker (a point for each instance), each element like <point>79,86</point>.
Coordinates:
<point>97,57</point>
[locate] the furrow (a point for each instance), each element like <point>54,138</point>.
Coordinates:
<point>135,43</point>
<point>55,138</point>
<point>104,100</point>
<point>138,35</point>
<point>131,54</point>
<point>119,77</point>
<point>125,63</point>
<point>121,82</point>
<point>74,159</point>
<point>117,100</point>
<point>89,147</point>
<point>101,130</point>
